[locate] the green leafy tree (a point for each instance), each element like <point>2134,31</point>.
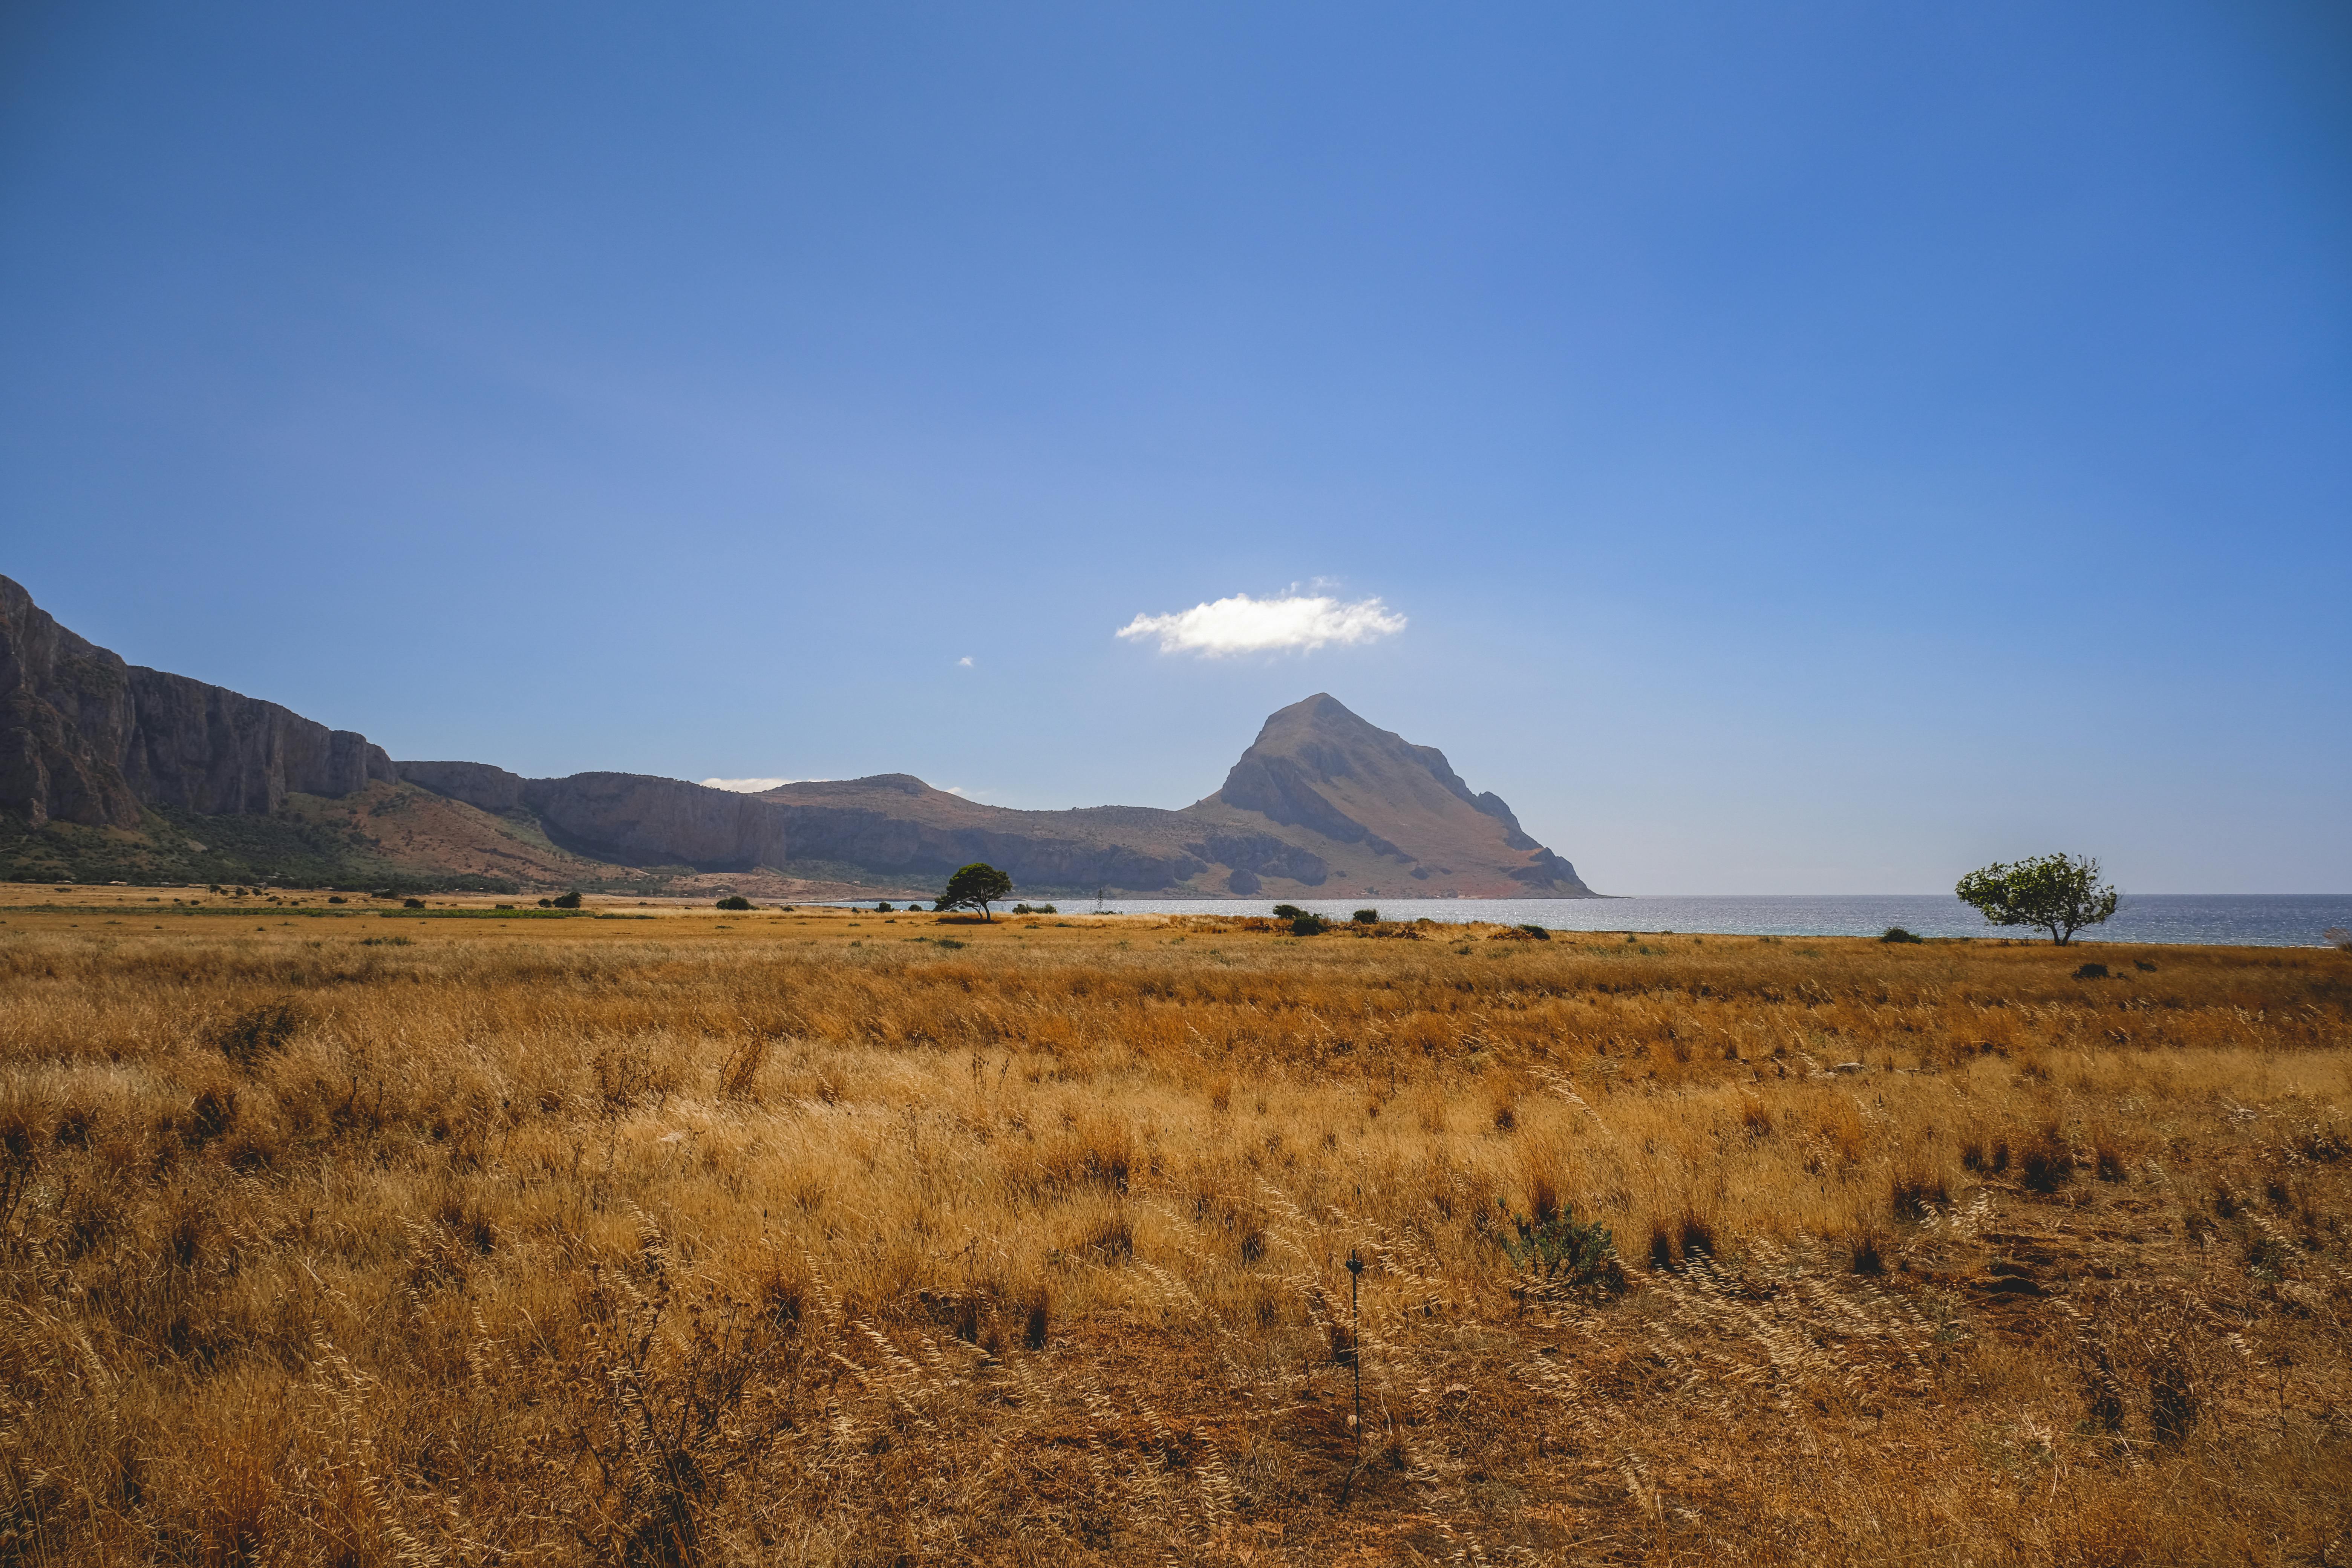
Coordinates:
<point>976,887</point>
<point>2057,892</point>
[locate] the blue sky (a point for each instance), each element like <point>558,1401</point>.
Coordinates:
<point>1808,448</point>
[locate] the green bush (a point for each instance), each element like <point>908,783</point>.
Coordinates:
<point>1366,917</point>
<point>1539,932</point>
<point>570,901</point>
<point>738,901</point>
<point>1557,1250</point>
<point>1308,925</point>
<point>1897,933</point>
<point>1288,912</point>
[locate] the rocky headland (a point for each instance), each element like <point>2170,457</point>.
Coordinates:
<point>154,777</point>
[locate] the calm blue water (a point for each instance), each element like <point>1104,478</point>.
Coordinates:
<point>2290,920</point>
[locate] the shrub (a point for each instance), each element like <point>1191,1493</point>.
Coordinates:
<point>257,1032</point>
<point>1897,933</point>
<point>2092,972</point>
<point>2047,1162</point>
<point>1366,917</point>
<point>1535,932</point>
<point>570,901</point>
<point>1288,912</point>
<point>411,903</point>
<point>738,901</point>
<point>1308,925</point>
<point>1557,1249</point>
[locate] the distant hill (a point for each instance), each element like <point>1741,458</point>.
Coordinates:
<point>110,771</point>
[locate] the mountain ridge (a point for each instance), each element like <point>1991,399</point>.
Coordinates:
<point>110,766</point>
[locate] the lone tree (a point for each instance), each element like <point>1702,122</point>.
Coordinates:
<point>2057,892</point>
<point>976,887</point>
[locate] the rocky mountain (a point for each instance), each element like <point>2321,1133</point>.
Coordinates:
<point>631,819</point>
<point>1373,806</point>
<point>87,739</point>
<point>109,769</point>
<point>1323,804</point>
<point>895,826</point>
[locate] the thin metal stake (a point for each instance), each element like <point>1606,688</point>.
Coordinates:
<point>1355,1327</point>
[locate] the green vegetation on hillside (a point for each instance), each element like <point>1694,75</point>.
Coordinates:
<point>173,846</point>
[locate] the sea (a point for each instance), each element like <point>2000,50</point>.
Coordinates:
<point>2234,919</point>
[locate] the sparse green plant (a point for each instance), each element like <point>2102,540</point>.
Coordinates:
<point>736,904</point>
<point>1366,917</point>
<point>1897,934</point>
<point>1558,1249</point>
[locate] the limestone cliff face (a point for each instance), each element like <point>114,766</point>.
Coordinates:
<point>479,785</point>
<point>633,819</point>
<point>642,821</point>
<point>86,737</point>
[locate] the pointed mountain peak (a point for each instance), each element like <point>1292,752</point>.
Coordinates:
<point>1318,768</point>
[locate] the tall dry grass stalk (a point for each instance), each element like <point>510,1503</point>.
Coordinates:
<point>661,1244</point>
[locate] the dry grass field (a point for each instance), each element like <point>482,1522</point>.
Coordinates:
<point>842,1239</point>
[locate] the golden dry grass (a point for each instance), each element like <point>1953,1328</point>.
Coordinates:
<point>805,1239</point>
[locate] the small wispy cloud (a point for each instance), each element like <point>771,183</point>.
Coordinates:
<point>1244,624</point>
<point>749,787</point>
<point>964,663</point>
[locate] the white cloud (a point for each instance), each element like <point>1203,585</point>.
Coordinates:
<point>1244,624</point>
<point>749,787</point>
<point>965,662</point>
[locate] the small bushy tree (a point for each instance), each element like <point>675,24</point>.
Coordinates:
<point>2059,893</point>
<point>976,887</point>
